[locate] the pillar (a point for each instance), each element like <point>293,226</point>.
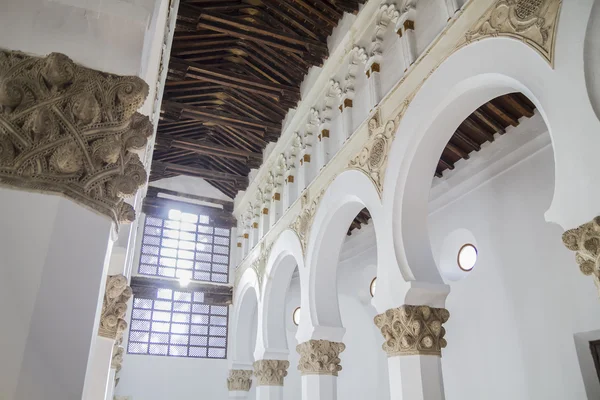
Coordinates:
<point>87,123</point>
<point>265,221</point>
<point>276,206</point>
<point>291,183</point>
<point>451,7</point>
<point>585,242</point>
<point>414,338</point>
<point>347,122</point>
<point>239,383</point>
<point>323,152</point>
<point>405,28</point>
<point>110,334</point>
<point>319,366</point>
<point>372,70</point>
<point>269,378</point>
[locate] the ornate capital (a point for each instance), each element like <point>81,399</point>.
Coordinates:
<point>413,330</point>
<point>270,372</point>
<point>70,130</point>
<point>585,242</point>
<point>239,380</point>
<point>114,307</point>
<point>320,357</point>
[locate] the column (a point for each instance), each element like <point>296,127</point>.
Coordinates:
<point>405,28</point>
<point>87,122</point>
<point>585,242</point>
<point>112,326</point>
<point>291,184</point>
<point>239,383</point>
<point>372,70</point>
<point>414,338</point>
<point>323,144</point>
<point>115,366</point>
<point>265,221</point>
<point>269,378</point>
<point>346,110</point>
<point>451,8</point>
<point>319,366</point>
<point>254,227</point>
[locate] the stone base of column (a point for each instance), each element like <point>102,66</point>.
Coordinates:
<point>416,378</point>
<point>319,387</point>
<point>269,393</point>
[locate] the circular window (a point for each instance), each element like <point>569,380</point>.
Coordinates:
<point>373,286</point>
<point>467,257</point>
<point>296,316</point>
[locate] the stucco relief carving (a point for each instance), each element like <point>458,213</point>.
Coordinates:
<point>270,372</point>
<point>532,21</point>
<point>239,380</point>
<point>303,221</point>
<point>372,158</point>
<point>117,358</point>
<point>412,330</point>
<point>260,264</point>
<point>70,130</point>
<point>585,242</point>
<point>320,357</point>
<point>114,307</point>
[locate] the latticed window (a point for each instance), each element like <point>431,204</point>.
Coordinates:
<point>178,323</point>
<point>185,246</point>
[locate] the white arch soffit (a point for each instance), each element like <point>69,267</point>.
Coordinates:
<point>345,196</point>
<point>285,254</point>
<point>245,302</point>
<point>468,78</point>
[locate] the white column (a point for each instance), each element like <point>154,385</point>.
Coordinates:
<point>276,207</point>
<point>265,221</point>
<point>269,393</point>
<point>372,70</point>
<point>414,338</point>
<point>238,394</point>
<point>319,387</point>
<point>290,193</point>
<point>99,371</point>
<point>416,378</point>
<point>347,123</point>
<point>110,393</point>
<point>405,28</point>
<point>451,7</point>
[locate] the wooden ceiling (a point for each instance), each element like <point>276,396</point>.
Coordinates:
<point>478,128</point>
<point>235,69</point>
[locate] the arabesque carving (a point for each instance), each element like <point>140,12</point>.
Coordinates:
<point>373,157</point>
<point>114,307</point>
<point>70,130</point>
<point>303,221</point>
<point>585,242</point>
<point>239,380</point>
<point>413,330</point>
<point>532,21</point>
<point>270,372</point>
<point>320,357</point>
<point>260,264</point>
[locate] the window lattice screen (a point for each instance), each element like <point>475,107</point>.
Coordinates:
<point>185,246</point>
<point>178,324</point>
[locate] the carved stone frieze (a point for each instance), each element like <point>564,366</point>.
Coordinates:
<point>585,242</point>
<point>320,357</point>
<point>532,21</point>
<point>270,372</point>
<point>372,158</point>
<point>117,358</point>
<point>260,264</point>
<point>70,130</point>
<point>239,380</point>
<point>303,221</point>
<point>413,330</point>
<point>114,307</point>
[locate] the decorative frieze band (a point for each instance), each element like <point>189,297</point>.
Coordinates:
<point>413,330</point>
<point>70,130</point>
<point>270,372</point>
<point>585,242</point>
<point>320,357</point>
<point>114,307</point>
<point>239,380</point>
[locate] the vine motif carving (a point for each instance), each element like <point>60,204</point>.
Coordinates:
<point>303,221</point>
<point>270,372</point>
<point>411,330</point>
<point>70,130</point>
<point>114,307</point>
<point>320,357</point>
<point>532,21</point>
<point>260,264</point>
<point>372,158</point>
<point>585,242</point>
<point>239,380</point>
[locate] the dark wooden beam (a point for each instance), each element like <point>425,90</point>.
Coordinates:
<point>458,151</point>
<point>501,113</point>
<point>467,140</point>
<point>489,121</point>
<point>206,148</point>
<point>164,167</point>
<point>214,294</point>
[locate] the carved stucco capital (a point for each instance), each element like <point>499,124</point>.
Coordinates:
<point>413,330</point>
<point>320,357</point>
<point>585,242</point>
<point>70,130</point>
<point>239,380</point>
<point>114,307</point>
<point>270,372</point>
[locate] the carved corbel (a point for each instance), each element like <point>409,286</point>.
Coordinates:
<point>114,307</point>
<point>585,242</point>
